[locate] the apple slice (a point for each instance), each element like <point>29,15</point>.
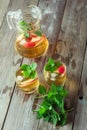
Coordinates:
<point>20,37</point>
<point>33,34</point>
<point>27,82</point>
<point>35,39</point>
<point>41,40</point>
<point>23,42</point>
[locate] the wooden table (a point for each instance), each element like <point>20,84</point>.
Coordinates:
<point>65,25</point>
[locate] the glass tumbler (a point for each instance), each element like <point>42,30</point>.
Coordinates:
<point>55,72</point>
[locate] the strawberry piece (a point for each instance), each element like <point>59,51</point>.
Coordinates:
<point>61,69</point>
<point>28,39</point>
<point>29,44</point>
<point>31,41</point>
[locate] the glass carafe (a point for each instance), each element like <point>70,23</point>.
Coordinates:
<point>30,41</point>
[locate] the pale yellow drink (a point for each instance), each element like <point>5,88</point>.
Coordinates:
<point>58,76</point>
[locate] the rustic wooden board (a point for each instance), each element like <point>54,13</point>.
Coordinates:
<point>80,121</point>
<point>81,111</point>
<point>25,119</point>
<point>71,47</point>
<point>9,60</point>
<point>3,8</point>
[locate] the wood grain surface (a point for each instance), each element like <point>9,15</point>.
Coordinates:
<point>64,23</point>
<point>9,60</point>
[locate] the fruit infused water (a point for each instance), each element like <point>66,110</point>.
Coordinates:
<point>31,43</point>
<point>30,40</point>
<point>27,79</point>
<point>55,72</point>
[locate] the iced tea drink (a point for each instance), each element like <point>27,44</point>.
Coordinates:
<point>31,44</point>
<point>27,78</point>
<point>55,72</point>
<point>30,41</point>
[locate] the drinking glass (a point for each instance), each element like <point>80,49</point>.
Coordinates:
<point>57,76</point>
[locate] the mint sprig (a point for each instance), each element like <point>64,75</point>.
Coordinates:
<point>38,32</point>
<point>51,65</point>
<point>52,107</point>
<point>29,71</point>
<point>26,27</point>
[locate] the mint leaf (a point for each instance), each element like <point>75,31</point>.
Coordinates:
<point>25,74</point>
<point>26,35</point>
<point>58,64</point>
<point>42,89</point>
<point>25,27</point>
<point>33,66</point>
<point>24,67</point>
<point>38,32</point>
<point>52,107</point>
<point>29,71</point>
<point>23,23</point>
<point>33,74</point>
<point>50,66</point>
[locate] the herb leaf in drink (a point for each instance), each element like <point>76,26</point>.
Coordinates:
<point>29,71</point>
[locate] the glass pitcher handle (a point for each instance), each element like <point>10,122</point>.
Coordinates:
<point>13,17</point>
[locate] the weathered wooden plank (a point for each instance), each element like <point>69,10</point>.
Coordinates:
<point>70,48</point>
<point>3,8</point>
<point>9,61</point>
<point>81,111</point>
<point>26,119</point>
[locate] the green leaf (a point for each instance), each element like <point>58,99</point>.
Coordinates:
<point>26,35</point>
<point>25,74</point>
<point>25,27</point>
<point>58,63</point>
<point>42,89</point>
<point>38,32</point>
<point>42,110</point>
<point>23,23</point>
<point>52,107</point>
<point>33,66</point>
<point>50,66</point>
<point>29,71</point>
<point>33,74</point>
<point>24,67</point>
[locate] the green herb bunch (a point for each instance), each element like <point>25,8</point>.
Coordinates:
<point>29,71</point>
<point>52,108</point>
<point>51,65</point>
<point>26,27</point>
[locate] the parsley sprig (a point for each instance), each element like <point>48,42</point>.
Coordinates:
<point>52,108</point>
<point>29,71</point>
<point>51,65</point>
<point>26,27</point>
